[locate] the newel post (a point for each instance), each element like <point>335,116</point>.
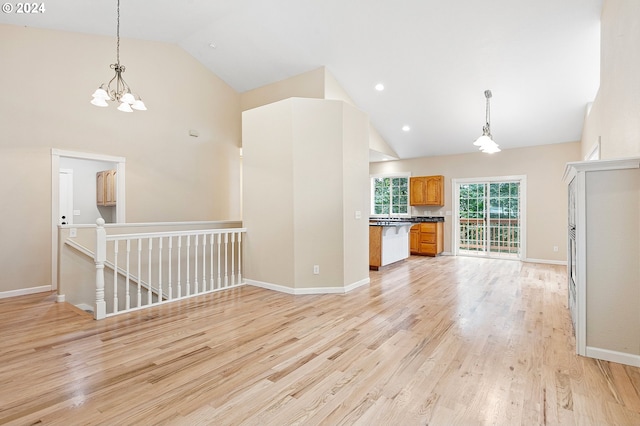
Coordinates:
<point>100,311</point>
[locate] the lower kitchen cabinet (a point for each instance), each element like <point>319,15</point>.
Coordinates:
<point>427,238</point>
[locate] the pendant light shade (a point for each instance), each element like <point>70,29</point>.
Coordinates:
<point>99,102</point>
<point>125,107</point>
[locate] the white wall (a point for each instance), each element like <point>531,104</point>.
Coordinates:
<point>615,114</point>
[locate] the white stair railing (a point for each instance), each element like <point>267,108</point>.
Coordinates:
<point>168,271</point>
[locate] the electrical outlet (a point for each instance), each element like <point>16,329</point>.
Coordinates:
<point>316,269</point>
<point>73,232</point>
<point>555,248</point>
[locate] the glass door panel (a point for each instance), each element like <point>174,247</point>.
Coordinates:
<point>489,219</point>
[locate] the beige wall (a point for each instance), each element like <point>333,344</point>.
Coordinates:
<point>546,192</point>
<point>615,115</point>
<point>306,85</point>
<point>318,84</point>
<point>47,81</point>
<point>305,174</point>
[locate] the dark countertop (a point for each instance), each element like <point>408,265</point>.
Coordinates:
<point>404,221</point>
<point>391,223</point>
<point>419,219</point>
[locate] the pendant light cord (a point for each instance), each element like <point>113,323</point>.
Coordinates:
<point>487,94</point>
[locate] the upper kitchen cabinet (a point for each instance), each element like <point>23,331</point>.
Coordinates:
<point>427,190</point>
<point>106,188</point>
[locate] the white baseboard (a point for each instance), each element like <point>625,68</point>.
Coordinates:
<point>25,291</point>
<point>311,290</point>
<point>548,262</point>
<point>613,356</point>
<point>85,307</point>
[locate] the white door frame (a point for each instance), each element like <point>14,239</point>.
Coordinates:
<point>455,188</point>
<point>55,197</point>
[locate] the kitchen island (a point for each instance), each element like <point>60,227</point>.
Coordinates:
<point>388,242</point>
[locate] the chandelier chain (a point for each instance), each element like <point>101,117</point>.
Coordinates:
<point>118,35</point>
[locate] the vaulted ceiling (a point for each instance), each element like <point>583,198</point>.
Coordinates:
<point>435,58</point>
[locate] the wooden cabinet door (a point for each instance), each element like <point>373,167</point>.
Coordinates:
<point>417,190</point>
<point>414,239</point>
<point>434,186</point>
<point>100,188</point>
<point>375,247</point>
<point>110,188</point>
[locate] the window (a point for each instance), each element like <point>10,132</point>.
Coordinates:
<point>390,195</point>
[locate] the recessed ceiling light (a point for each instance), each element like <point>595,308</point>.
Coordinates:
<point>379,87</point>
<point>406,128</point>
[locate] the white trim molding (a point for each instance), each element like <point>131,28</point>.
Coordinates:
<point>546,261</point>
<point>613,356</point>
<point>309,290</point>
<point>25,291</point>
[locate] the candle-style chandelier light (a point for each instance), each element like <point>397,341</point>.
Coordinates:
<point>117,89</point>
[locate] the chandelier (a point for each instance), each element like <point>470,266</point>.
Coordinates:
<point>485,142</point>
<point>117,89</point>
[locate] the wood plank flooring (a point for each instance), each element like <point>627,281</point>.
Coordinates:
<point>439,341</point>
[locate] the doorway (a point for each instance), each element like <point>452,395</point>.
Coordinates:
<point>56,156</point>
<point>489,216</point>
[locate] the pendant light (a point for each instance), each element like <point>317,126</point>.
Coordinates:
<point>120,91</point>
<point>485,142</point>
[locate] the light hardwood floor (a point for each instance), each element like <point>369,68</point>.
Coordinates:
<point>436,341</point>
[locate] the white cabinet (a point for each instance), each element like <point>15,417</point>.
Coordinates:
<point>604,257</point>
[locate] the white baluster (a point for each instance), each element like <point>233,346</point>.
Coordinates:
<point>150,286</point>
<point>160,269</point>
<point>126,286</point>
<point>204,263</point>
<point>115,276</point>
<point>239,257</point>
<point>170,261</point>
<point>211,261</point>
<point>188,255</point>
<point>195,269</point>
<point>100,309</point>
<point>233,256</point>
<point>139,272</point>
<point>179,264</point>
<point>226,259</point>
<point>219,255</point>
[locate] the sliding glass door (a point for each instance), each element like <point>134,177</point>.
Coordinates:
<point>489,217</point>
